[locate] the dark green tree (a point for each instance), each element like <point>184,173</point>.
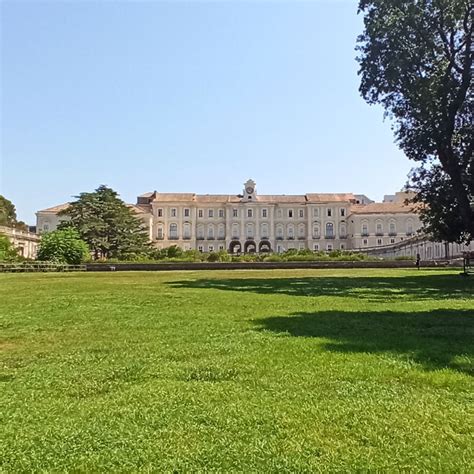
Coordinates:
<point>63,246</point>
<point>416,59</point>
<point>107,224</point>
<point>8,215</point>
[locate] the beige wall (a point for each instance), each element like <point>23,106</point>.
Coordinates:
<point>26,243</point>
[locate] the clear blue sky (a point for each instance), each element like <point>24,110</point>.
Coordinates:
<point>187,96</point>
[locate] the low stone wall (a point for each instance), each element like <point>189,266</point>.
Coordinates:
<point>102,267</point>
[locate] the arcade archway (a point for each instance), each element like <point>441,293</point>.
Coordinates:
<point>235,247</point>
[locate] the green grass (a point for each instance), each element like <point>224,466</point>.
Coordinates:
<point>309,370</point>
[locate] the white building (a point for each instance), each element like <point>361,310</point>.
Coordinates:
<point>250,222</point>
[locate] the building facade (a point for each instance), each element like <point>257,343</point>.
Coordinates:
<point>26,243</point>
<point>250,222</point>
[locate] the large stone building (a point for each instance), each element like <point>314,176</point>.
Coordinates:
<point>250,222</point>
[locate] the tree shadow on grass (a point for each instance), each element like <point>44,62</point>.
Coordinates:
<point>436,339</point>
<point>372,288</point>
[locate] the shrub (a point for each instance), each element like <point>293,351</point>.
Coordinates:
<point>63,246</point>
<point>8,252</point>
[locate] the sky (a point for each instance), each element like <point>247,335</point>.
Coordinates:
<point>186,96</point>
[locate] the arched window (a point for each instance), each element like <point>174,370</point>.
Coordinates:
<point>365,229</point>
<point>392,228</point>
<point>329,229</point>
<point>187,231</point>
<point>291,232</point>
<point>235,231</point>
<point>316,231</point>
<point>249,231</point>
<point>200,232</point>
<point>221,231</point>
<point>280,231</point>
<point>265,231</point>
<point>342,230</point>
<point>210,231</point>
<point>301,230</point>
<point>378,228</point>
<point>173,231</point>
<point>159,232</point>
<point>409,226</point>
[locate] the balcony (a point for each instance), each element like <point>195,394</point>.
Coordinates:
<point>364,234</point>
<point>329,237</point>
<point>222,237</point>
<point>291,237</point>
<point>160,237</point>
<point>343,236</point>
<point>279,237</point>
<point>301,237</point>
<point>187,237</point>
<point>173,237</point>
<point>316,237</point>
<point>200,237</point>
<point>211,237</point>
<point>392,234</point>
<point>379,234</point>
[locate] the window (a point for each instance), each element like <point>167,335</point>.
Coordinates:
<point>221,247</point>
<point>329,247</point>
<point>392,228</point>
<point>201,248</point>
<point>279,248</point>
<point>46,227</point>
<point>379,241</point>
<point>301,231</point>
<point>186,213</point>
<point>187,231</point>
<point>379,228</point>
<point>210,213</point>
<point>235,213</point>
<point>392,241</point>
<point>264,213</point>
<point>291,232</point>
<point>329,213</point>
<point>160,212</point>
<point>210,232</point>
<point>211,248</point>
<point>329,229</point>
<point>301,213</point>
<point>250,230</point>
<point>316,212</point>
<point>249,212</point>
<point>365,242</point>
<point>173,212</point>
<point>342,231</point>
<point>221,213</point>
<point>316,247</point>
<point>316,232</point>
<point>365,229</point>
<point>235,231</point>
<point>290,213</point>
<point>280,213</point>
<point>264,231</point>
<point>159,232</point>
<point>200,213</point>
<point>342,247</point>
<point>343,212</point>
<point>200,232</point>
<point>280,231</point>
<point>173,231</point>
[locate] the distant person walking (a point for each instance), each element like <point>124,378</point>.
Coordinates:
<point>418,260</point>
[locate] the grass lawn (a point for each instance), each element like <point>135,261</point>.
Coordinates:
<point>301,370</point>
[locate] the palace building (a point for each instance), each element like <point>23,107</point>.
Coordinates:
<point>251,222</point>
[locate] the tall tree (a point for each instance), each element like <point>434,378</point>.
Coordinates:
<point>416,59</point>
<point>106,224</point>
<point>8,216</point>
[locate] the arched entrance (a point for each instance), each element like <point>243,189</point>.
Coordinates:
<point>235,247</point>
<point>250,246</point>
<point>264,246</point>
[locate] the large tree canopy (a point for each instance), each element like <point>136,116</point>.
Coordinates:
<point>8,215</point>
<point>416,59</point>
<point>107,224</point>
